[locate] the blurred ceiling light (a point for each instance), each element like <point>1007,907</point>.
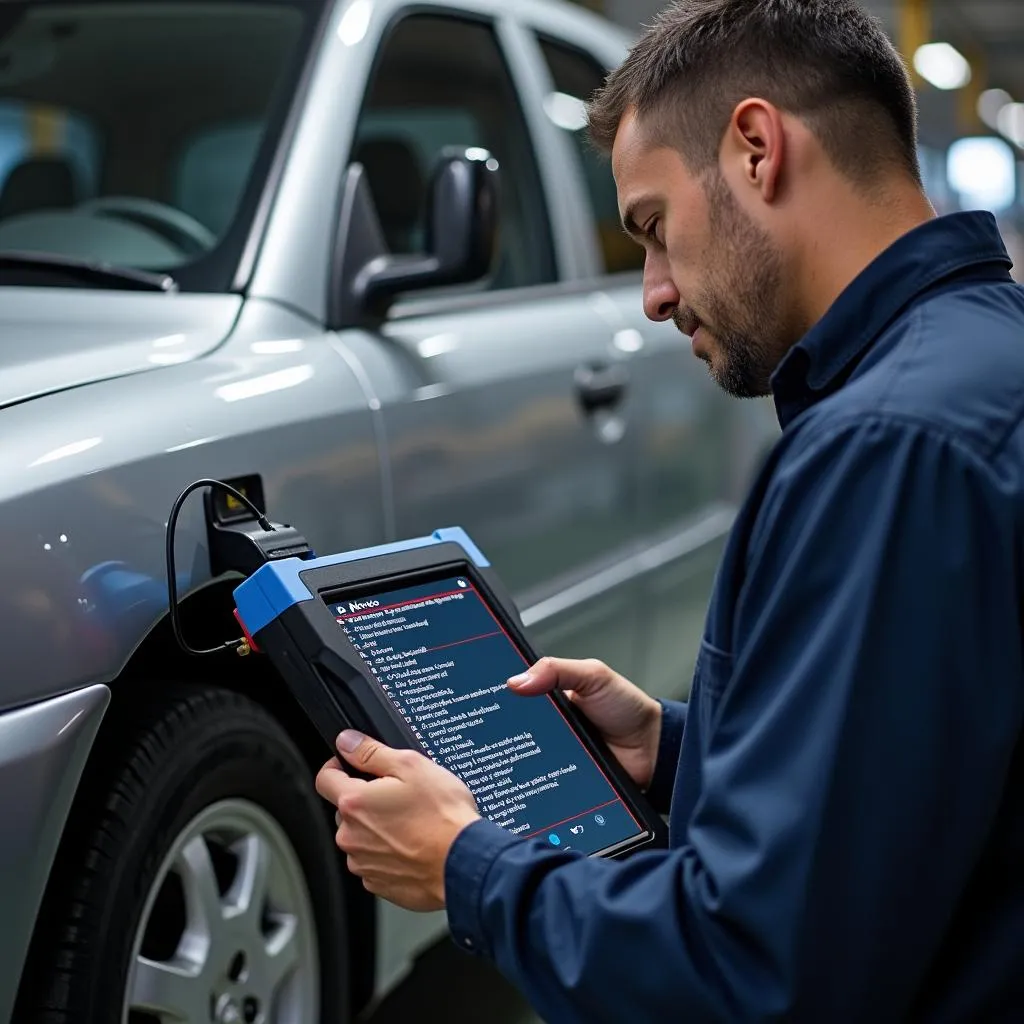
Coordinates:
<point>482,156</point>
<point>566,111</point>
<point>942,65</point>
<point>990,103</point>
<point>1010,122</point>
<point>983,171</point>
<point>355,22</point>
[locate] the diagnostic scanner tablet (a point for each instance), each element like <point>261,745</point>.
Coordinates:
<point>413,644</point>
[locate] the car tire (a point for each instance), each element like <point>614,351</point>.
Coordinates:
<point>136,925</point>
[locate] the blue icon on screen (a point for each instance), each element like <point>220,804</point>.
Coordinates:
<point>599,818</point>
<point>554,839</point>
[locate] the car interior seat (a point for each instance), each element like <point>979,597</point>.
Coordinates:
<point>398,186</point>
<point>39,183</point>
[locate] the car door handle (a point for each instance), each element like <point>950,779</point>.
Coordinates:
<point>601,387</point>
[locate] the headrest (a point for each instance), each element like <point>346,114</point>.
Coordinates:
<point>397,184</point>
<point>40,183</point>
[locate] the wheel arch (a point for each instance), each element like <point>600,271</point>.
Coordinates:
<point>158,661</point>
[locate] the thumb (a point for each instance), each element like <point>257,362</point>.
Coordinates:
<point>583,677</point>
<point>367,755</point>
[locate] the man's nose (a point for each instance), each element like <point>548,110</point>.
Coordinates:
<point>661,297</point>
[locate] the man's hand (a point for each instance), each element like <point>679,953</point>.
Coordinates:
<point>397,828</point>
<point>628,719</point>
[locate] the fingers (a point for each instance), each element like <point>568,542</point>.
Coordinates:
<point>332,782</point>
<point>584,677</point>
<point>371,756</point>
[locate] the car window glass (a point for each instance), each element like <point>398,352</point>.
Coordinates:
<point>130,132</point>
<point>576,77</point>
<point>440,82</point>
<point>53,134</point>
<point>212,171</point>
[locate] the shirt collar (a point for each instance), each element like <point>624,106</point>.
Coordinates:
<point>935,251</point>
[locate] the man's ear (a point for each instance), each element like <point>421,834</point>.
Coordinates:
<point>754,145</point>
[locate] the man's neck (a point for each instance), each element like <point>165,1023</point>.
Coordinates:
<point>848,235</point>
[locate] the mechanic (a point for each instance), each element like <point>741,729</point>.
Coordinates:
<point>847,781</point>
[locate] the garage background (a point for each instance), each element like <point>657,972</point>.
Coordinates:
<point>972,108</point>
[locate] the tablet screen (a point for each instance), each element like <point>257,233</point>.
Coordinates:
<point>442,659</point>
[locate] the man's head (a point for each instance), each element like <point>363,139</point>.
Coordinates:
<point>736,128</point>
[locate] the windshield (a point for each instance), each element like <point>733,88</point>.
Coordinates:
<point>139,134</point>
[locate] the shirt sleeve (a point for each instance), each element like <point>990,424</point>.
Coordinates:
<point>854,763</point>
<point>670,745</point>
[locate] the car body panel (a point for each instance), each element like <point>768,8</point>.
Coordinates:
<point>43,750</point>
<point>494,435</point>
<point>55,339</point>
<point>87,498</point>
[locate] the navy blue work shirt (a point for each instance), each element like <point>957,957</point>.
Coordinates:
<point>847,786</point>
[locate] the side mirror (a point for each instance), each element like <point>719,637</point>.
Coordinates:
<point>462,226</point>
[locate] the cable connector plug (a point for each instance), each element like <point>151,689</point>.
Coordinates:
<point>244,547</point>
<point>240,546</point>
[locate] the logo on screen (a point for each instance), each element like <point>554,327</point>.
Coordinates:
<point>360,606</point>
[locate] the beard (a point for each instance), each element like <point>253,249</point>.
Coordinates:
<point>741,310</point>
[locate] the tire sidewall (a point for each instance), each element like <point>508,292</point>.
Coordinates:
<point>243,754</point>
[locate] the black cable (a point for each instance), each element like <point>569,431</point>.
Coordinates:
<point>172,583</point>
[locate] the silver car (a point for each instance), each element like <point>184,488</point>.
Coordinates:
<point>357,257</point>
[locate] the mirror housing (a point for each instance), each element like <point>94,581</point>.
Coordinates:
<point>462,226</point>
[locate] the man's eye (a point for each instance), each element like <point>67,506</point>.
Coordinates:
<point>652,231</point>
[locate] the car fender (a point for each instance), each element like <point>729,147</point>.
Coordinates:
<point>43,751</point>
<point>88,478</point>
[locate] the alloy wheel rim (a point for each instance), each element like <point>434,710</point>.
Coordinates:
<point>227,933</point>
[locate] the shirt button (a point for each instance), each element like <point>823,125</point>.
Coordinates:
<point>468,943</point>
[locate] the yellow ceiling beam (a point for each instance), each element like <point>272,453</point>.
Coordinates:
<point>968,117</point>
<point>914,27</point>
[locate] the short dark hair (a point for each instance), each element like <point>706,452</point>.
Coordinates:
<point>826,61</point>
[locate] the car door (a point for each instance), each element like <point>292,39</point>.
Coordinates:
<point>512,414</point>
<point>502,407</point>
<point>694,446</point>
